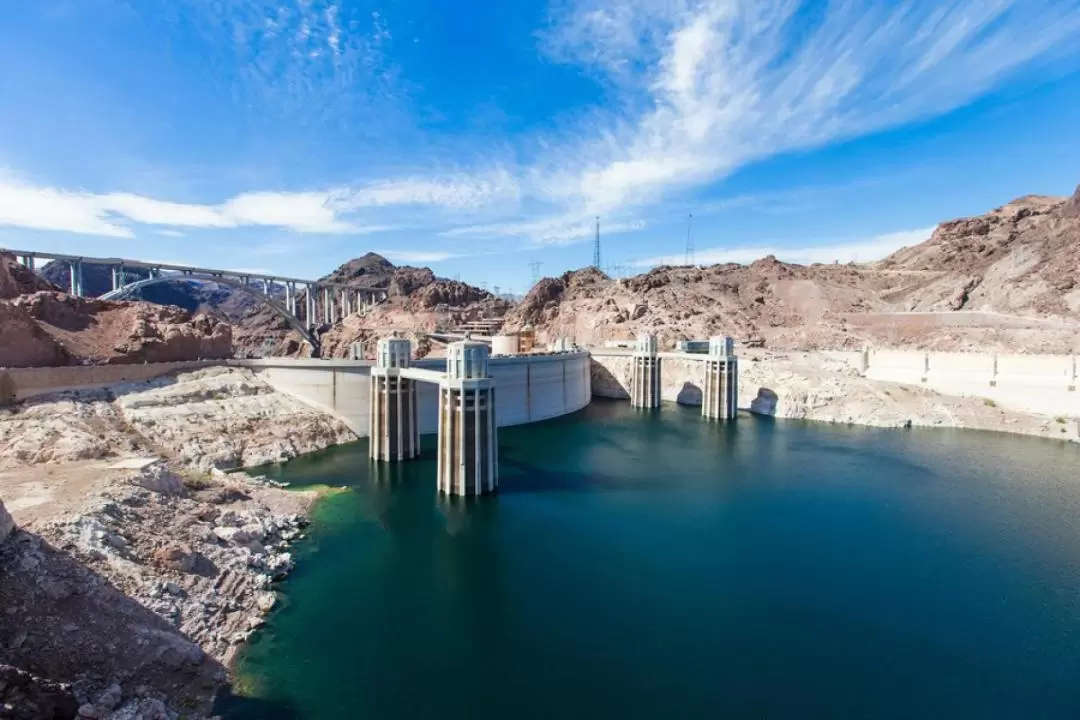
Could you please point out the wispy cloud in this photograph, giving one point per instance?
(170, 233)
(461, 191)
(559, 230)
(26, 205)
(726, 82)
(860, 251)
(301, 57)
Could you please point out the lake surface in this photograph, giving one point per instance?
(651, 565)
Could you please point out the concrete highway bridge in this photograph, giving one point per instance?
(304, 304)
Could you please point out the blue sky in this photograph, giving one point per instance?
(480, 136)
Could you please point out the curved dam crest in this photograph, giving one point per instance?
(531, 388)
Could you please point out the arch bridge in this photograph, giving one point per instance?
(304, 304)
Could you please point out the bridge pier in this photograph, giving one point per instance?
(76, 285)
(468, 434)
(720, 393)
(645, 373)
(309, 314)
(290, 298)
(395, 430)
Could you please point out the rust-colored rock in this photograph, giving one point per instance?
(44, 327)
(17, 280)
(1013, 271)
(417, 301)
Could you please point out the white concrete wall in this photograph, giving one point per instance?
(339, 387)
(902, 366)
(1044, 384)
(528, 388)
(682, 375)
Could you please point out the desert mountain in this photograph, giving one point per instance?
(1013, 271)
(42, 326)
(417, 301)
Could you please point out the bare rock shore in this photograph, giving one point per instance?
(813, 386)
(137, 566)
(222, 417)
(136, 596)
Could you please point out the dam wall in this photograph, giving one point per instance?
(528, 388)
(1044, 384)
(682, 375)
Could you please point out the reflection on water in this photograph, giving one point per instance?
(650, 564)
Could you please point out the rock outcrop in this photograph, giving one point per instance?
(1013, 273)
(215, 417)
(50, 328)
(417, 301)
(16, 280)
(132, 602)
(1021, 258)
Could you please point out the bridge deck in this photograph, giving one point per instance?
(186, 269)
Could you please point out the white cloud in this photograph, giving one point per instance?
(462, 191)
(310, 59)
(860, 251)
(559, 230)
(46, 208)
(327, 211)
(727, 82)
(417, 256)
(170, 233)
(51, 209)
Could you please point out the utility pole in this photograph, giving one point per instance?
(596, 246)
(535, 267)
(690, 240)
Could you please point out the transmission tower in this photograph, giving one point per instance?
(690, 240)
(535, 267)
(596, 246)
(497, 288)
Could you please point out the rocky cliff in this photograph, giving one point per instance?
(417, 301)
(41, 327)
(1012, 272)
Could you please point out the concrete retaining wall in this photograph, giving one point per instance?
(18, 384)
(682, 376)
(339, 387)
(1044, 384)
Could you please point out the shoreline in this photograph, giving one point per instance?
(100, 524)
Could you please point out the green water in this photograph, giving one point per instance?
(651, 565)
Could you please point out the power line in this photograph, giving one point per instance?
(689, 260)
(596, 246)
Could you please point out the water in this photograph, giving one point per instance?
(640, 565)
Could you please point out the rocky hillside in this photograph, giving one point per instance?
(1013, 272)
(418, 300)
(1021, 258)
(41, 326)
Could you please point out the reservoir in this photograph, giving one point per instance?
(639, 564)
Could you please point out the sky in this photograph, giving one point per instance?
(482, 137)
